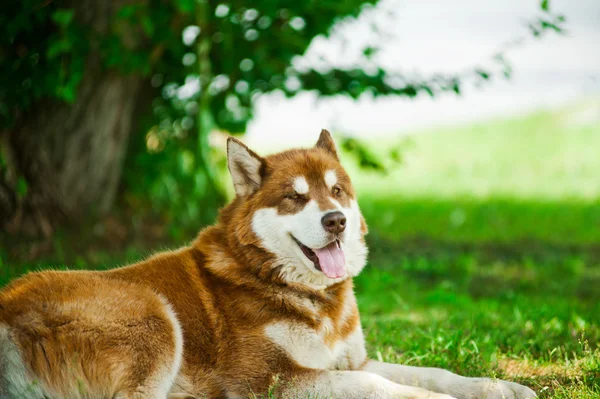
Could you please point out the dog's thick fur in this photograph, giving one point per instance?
(242, 311)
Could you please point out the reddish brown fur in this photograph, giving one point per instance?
(79, 330)
(224, 289)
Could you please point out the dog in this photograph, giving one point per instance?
(261, 304)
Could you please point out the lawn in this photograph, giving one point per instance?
(525, 310)
(485, 252)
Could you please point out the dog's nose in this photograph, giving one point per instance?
(334, 222)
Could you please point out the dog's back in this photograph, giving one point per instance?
(80, 334)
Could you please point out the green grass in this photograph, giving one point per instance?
(529, 319)
(485, 253)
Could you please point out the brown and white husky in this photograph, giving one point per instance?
(261, 304)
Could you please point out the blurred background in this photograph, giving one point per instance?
(471, 130)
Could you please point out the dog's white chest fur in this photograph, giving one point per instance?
(308, 347)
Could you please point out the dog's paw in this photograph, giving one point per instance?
(418, 393)
(180, 396)
(427, 395)
(499, 389)
(516, 391)
(433, 395)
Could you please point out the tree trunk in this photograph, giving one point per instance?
(71, 155)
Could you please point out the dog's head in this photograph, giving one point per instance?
(300, 207)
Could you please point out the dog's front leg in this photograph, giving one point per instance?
(440, 380)
(351, 385)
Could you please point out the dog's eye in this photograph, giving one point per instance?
(337, 190)
(294, 196)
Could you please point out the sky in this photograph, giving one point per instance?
(432, 36)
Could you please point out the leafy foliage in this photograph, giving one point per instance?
(207, 62)
(42, 53)
(43, 48)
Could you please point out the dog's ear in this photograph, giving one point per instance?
(326, 142)
(245, 166)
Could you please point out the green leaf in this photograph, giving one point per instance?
(21, 187)
(369, 51)
(58, 47)
(545, 5)
(127, 11)
(482, 74)
(456, 86)
(148, 25)
(185, 6)
(63, 17)
(66, 93)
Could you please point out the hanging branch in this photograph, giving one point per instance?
(205, 120)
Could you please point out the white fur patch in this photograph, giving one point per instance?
(353, 351)
(14, 377)
(336, 203)
(307, 347)
(441, 380)
(166, 381)
(349, 307)
(301, 185)
(330, 178)
(356, 384)
(275, 233)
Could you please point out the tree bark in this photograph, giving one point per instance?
(71, 155)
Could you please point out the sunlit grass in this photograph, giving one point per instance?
(485, 252)
(549, 155)
(545, 337)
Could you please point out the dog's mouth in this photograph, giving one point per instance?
(330, 259)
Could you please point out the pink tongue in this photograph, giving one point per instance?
(332, 260)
